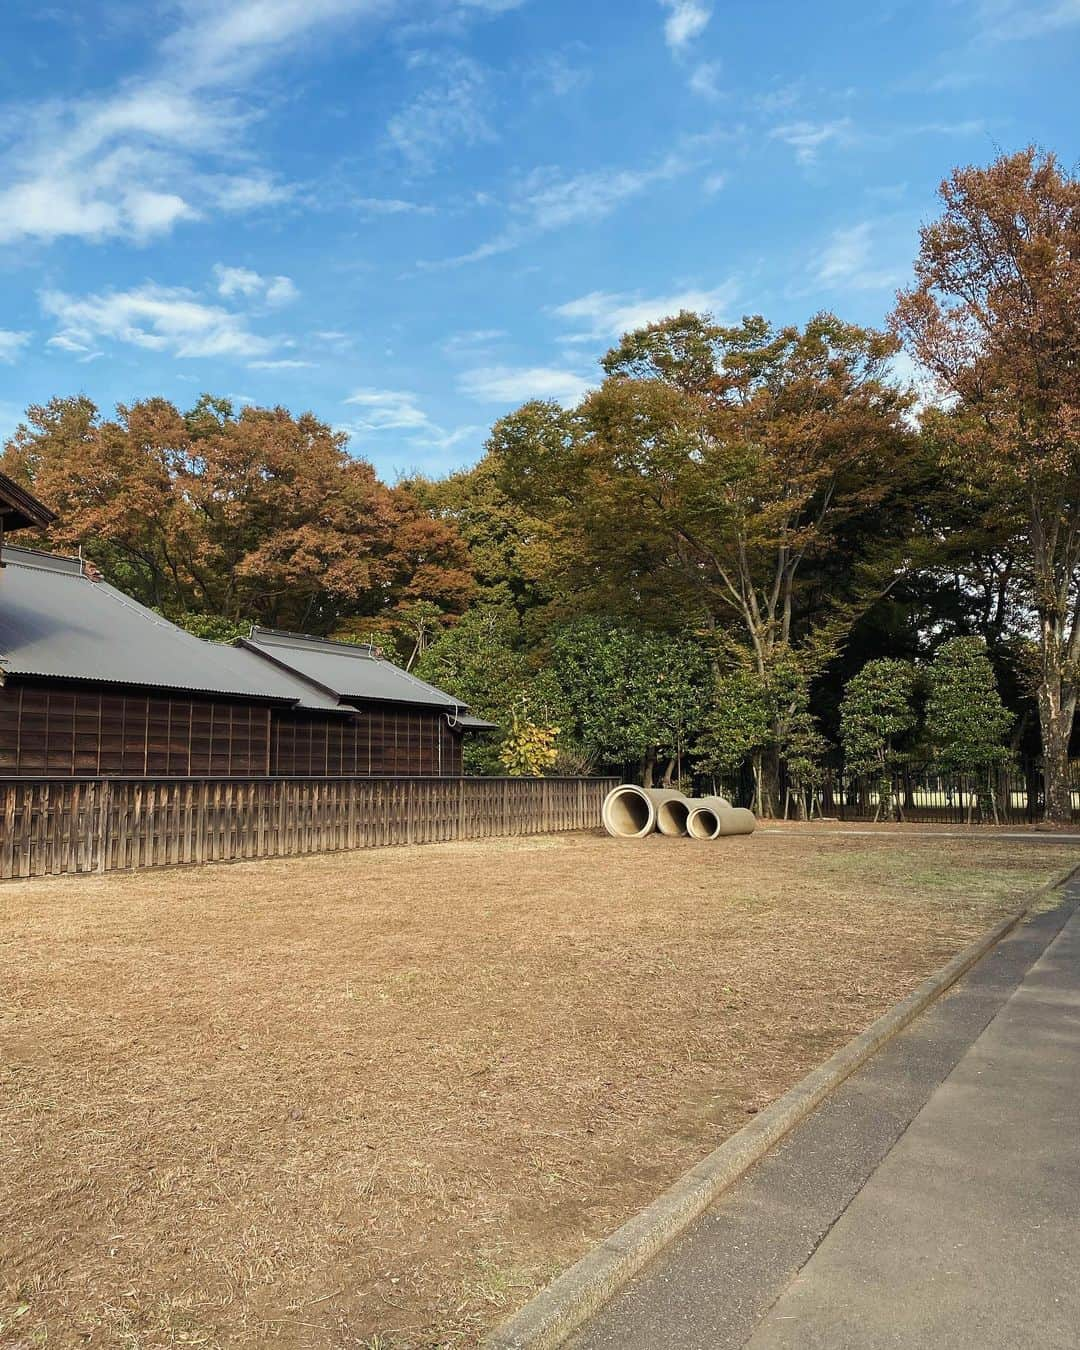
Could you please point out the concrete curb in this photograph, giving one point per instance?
(570, 1300)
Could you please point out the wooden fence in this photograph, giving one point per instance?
(52, 826)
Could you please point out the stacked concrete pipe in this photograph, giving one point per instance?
(628, 812)
(632, 812)
(716, 818)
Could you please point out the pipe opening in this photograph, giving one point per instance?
(703, 823)
(628, 813)
(671, 816)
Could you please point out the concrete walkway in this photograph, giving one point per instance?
(934, 1200)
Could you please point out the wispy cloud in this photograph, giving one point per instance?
(1014, 20)
(390, 410)
(392, 206)
(161, 148)
(452, 109)
(607, 314)
(547, 199)
(387, 410)
(233, 281)
(807, 138)
(169, 319)
(11, 344)
(705, 80)
(285, 363)
(518, 384)
(686, 20)
(846, 262)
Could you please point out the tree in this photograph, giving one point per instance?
(736, 727)
(966, 721)
(629, 694)
(714, 475)
(508, 547)
(257, 515)
(995, 316)
(482, 660)
(876, 714)
(528, 749)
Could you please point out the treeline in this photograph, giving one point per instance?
(750, 545)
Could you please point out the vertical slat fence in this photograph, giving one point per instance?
(54, 826)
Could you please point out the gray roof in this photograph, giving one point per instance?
(467, 722)
(349, 671)
(56, 622)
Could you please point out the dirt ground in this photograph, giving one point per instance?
(376, 1099)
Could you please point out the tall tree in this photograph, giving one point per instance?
(966, 721)
(631, 695)
(716, 474)
(257, 515)
(995, 316)
(877, 717)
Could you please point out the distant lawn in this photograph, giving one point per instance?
(378, 1098)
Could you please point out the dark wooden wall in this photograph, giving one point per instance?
(374, 741)
(51, 729)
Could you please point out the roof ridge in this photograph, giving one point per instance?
(363, 649)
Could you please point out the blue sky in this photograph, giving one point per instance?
(411, 215)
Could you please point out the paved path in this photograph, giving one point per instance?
(934, 1200)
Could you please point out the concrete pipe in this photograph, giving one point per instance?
(715, 818)
(628, 812)
(672, 808)
(737, 820)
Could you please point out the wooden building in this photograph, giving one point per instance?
(93, 684)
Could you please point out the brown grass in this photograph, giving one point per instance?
(375, 1099)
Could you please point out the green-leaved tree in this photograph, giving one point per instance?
(966, 721)
(877, 715)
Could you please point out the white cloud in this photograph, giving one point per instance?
(687, 19)
(546, 199)
(11, 344)
(246, 192)
(286, 364)
(609, 315)
(161, 147)
(705, 81)
(157, 318)
(280, 291)
(392, 206)
(387, 410)
(553, 201)
(716, 182)
(233, 281)
(451, 109)
(807, 138)
(237, 280)
(471, 342)
(1010, 20)
(518, 384)
(846, 261)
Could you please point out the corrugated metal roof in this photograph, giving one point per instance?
(56, 622)
(346, 670)
(467, 722)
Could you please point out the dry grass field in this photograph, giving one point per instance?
(376, 1099)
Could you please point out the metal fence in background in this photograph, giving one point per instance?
(1012, 795)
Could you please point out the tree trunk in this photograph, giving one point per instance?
(770, 782)
(648, 768)
(1056, 715)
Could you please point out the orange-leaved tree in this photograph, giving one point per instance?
(995, 316)
(258, 515)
